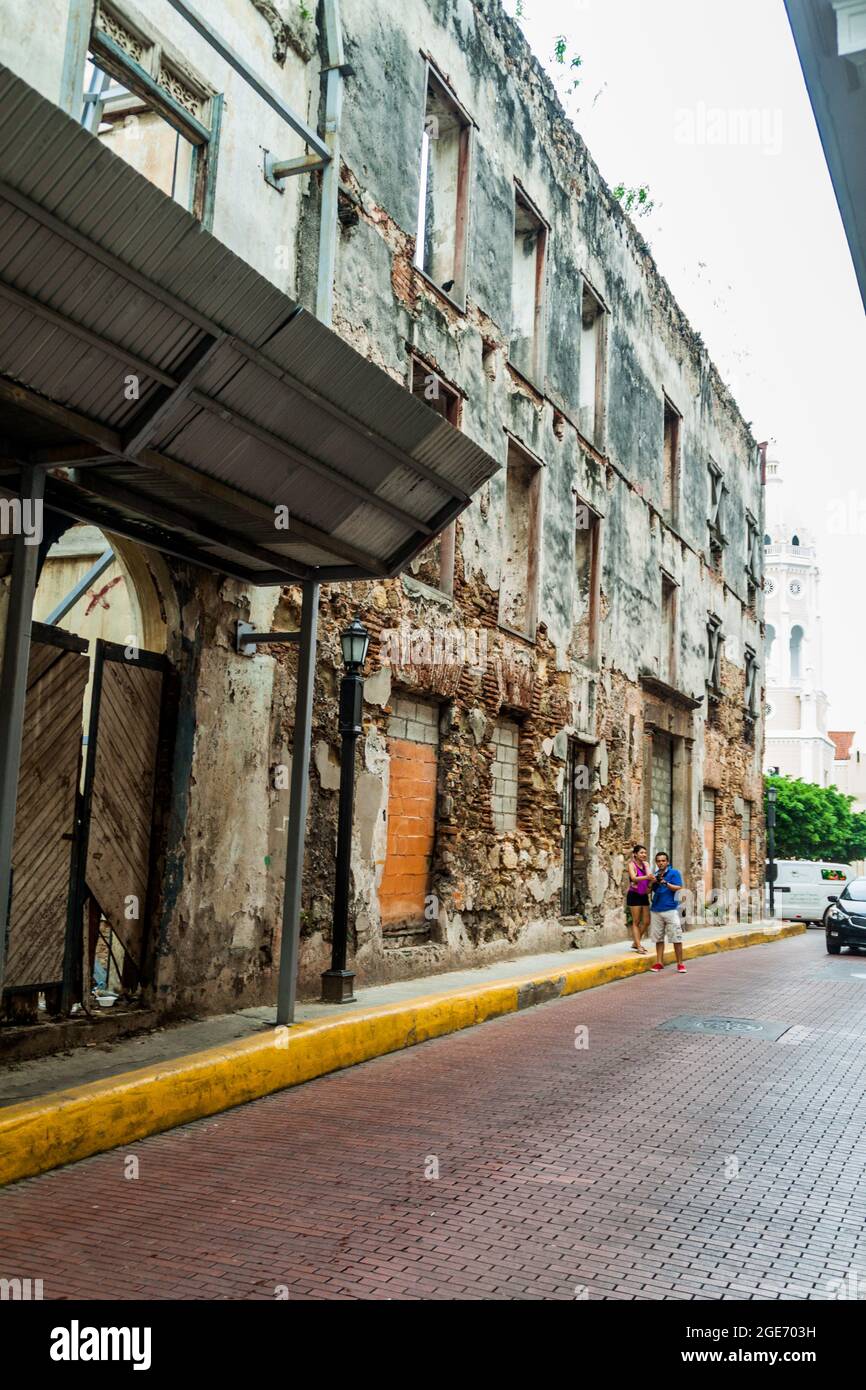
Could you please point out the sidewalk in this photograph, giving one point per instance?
(60, 1109)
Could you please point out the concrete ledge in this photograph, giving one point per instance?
(24, 1042)
(65, 1126)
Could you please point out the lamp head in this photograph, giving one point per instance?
(354, 641)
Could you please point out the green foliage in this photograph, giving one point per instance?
(816, 822)
(560, 55)
(636, 201)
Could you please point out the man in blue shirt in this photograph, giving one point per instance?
(665, 915)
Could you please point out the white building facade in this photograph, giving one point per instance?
(849, 767)
(797, 742)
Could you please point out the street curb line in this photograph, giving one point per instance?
(65, 1126)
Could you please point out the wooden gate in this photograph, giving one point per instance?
(81, 843)
(46, 811)
(117, 801)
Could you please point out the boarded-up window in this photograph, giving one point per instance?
(503, 786)
(518, 588)
(413, 739)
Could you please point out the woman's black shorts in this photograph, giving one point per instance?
(634, 899)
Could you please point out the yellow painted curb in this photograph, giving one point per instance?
(65, 1126)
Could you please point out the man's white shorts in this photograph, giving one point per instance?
(666, 925)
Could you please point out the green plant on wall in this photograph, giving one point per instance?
(636, 201)
(560, 55)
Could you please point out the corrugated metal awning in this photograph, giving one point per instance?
(241, 401)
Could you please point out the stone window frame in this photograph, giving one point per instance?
(435, 77)
(533, 563)
(126, 46)
(536, 375)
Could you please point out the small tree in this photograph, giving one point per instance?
(816, 822)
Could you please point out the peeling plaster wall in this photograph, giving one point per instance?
(498, 894)
(224, 797)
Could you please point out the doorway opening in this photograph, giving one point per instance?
(575, 824)
(82, 862)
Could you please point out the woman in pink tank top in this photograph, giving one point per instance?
(637, 899)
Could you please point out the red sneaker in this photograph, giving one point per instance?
(681, 970)
(656, 967)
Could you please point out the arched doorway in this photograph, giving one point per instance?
(93, 725)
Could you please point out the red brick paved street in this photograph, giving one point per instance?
(649, 1165)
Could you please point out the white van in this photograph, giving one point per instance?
(805, 888)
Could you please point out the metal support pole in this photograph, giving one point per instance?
(13, 685)
(290, 943)
(331, 171)
(78, 26)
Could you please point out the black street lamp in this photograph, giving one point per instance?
(772, 793)
(337, 983)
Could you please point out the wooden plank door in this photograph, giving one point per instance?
(123, 741)
(45, 812)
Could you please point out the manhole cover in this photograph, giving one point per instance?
(746, 1027)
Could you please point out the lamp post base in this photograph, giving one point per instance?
(338, 986)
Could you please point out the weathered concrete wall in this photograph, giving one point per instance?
(493, 893)
(499, 892)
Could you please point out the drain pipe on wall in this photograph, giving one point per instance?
(336, 69)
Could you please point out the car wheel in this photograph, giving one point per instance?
(834, 947)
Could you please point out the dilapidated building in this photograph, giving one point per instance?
(564, 590)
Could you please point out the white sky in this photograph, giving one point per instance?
(749, 237)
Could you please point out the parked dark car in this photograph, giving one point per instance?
(845, 918)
